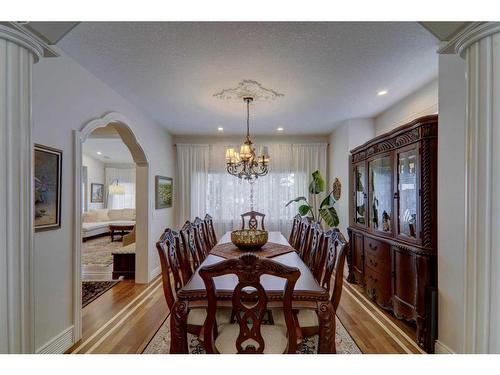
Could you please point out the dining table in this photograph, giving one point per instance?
(308, 294)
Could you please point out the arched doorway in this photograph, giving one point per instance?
(122, 126)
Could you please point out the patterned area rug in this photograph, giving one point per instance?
(160, 344)
(98, 251)
(93, 289)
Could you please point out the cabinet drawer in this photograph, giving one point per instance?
(376, 263)
(378, 287)
(377, 250)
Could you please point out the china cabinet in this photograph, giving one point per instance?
(393, 223)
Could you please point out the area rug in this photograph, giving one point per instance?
(98, 251)
(93, 289)
(160, 343)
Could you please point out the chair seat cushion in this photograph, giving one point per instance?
(129, 249)
(275, 339)
(307, 318)
(197, 317)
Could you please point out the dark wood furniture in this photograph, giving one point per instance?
(122, 228)
(201, 236)
(174, 277)
(295, 233)
(393, 223)
(331, 256)
(194, 255)
(308, 294)
(253, 222)
(123, 264)
(212, 238)
(249, 306)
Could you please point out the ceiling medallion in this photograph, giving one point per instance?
(248, 89)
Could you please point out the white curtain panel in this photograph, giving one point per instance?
(126, 178)
(192, 180)
(226, 197)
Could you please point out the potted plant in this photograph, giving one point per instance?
(325, 211)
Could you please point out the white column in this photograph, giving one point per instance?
(480, 46)
(17, 55)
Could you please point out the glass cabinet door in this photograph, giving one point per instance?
(407, 193)
(360, 194)
(381, 196)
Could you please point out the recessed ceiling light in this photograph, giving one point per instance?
(220, 129)
(280, 129)
(382, 92)
(99, 153)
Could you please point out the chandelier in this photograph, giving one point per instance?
(245, 164)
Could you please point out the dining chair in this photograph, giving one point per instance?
(314, 246)
(336, 250)
(201, 236)
(190, 244)
(249, 303)
(304, 237)
(294, 234)
(209, 221)
(171, 255)
(253, 222)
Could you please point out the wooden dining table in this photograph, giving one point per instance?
(308, 294)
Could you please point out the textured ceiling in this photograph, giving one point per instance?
(328, 72)
(112, 150)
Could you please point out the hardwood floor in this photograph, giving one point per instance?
(125, 318)
(122, 320)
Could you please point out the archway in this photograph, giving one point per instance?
(121, 124)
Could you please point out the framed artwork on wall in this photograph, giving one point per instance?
(47, 188)
(96, 193)
(164, 189)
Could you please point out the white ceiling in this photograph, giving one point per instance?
(113, 150)
(328, 72)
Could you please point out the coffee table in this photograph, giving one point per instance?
(122, 228)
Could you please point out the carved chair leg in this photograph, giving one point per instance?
(178, 328)
(326, 317)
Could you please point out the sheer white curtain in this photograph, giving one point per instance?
(226, 197)
(126, 178)
(192, 180)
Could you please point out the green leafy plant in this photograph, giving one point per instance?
(326, 209)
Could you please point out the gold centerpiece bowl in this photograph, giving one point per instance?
(249, 239)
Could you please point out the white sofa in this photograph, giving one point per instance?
(95, 222)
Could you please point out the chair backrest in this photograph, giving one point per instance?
(253, 222)
(172, 264)
(303, 237)
(201, 237)
(189, 242)
(295, 233)
(336, 249)
(210, 230)
(249, 300)
(314, 247)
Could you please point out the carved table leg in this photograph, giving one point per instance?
(178, 328)
(326, 317)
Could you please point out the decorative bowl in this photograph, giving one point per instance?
(249, 239)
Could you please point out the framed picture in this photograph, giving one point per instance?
(47, 186)
(96, 193)
(164, 187)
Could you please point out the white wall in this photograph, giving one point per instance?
(451, 206)
(65, 98)
(346, 136)
(421, 102)
(95, 174)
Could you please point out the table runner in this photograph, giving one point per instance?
(269, 250)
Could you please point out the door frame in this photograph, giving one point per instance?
(143, 206)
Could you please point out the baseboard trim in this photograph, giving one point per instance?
(441, 348)
(59, 344)
(154, 273)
